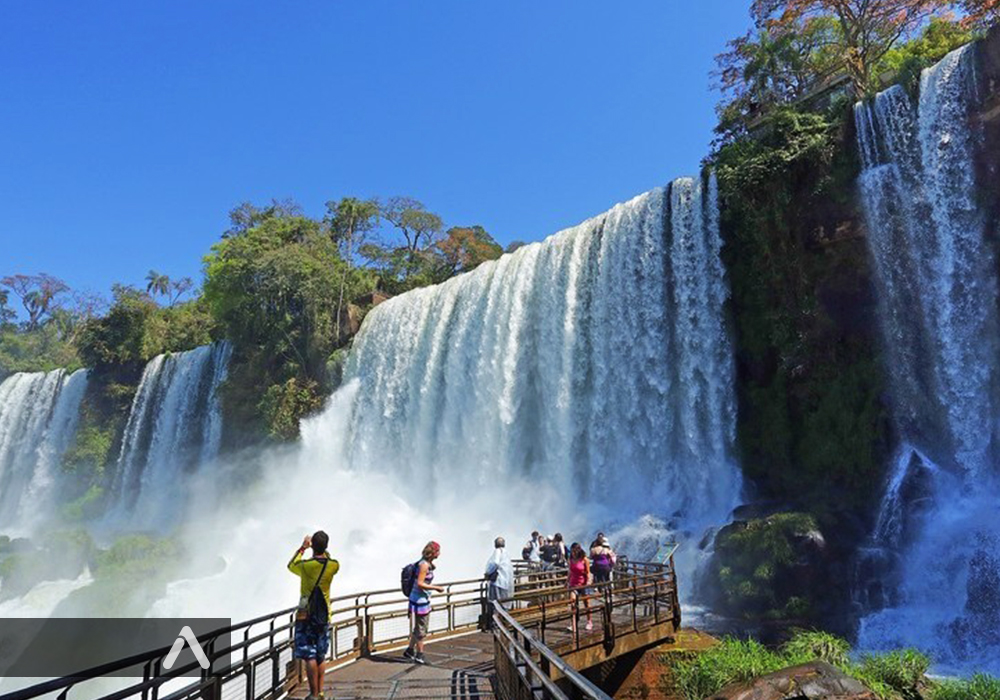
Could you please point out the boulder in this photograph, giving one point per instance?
(770, 568)
(813, 681)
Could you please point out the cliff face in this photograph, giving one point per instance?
(813, 432)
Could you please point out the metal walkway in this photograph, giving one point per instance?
(536, 645)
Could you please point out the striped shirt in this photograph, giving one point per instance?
(420, 600)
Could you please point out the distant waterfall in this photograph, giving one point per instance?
(936, 274)
(38, 417)
(173, 430)
(596, 363)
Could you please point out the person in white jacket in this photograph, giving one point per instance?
(499, 572)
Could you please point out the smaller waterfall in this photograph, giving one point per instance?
(38, 417)
(930, 573)
(174, 429)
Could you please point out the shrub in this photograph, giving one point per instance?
(896, 674)
(818, 645)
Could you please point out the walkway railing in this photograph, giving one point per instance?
(253, 660)
(539, 627)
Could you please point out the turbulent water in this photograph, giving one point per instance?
(173, 431)
(595, 363)
(38, 416)
(936, 273)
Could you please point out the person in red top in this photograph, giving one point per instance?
(577, 580)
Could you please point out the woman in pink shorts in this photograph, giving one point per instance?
(576, 582)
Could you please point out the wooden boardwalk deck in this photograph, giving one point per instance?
(459, 668)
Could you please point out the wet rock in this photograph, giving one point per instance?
(813, 681)
(758, 509)
(771, 568)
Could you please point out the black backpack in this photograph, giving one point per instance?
(407, 577)
(317, 611)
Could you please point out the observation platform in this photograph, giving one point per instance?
(526, 648)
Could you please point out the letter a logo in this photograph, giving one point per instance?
(186, 635)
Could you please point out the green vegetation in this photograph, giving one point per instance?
(129, 577)
(812, 430)
(63, 554)
(281, 286)
(939, 37)
(45, 341)
(979, 687)
(753, 564)
(894, 676)
(800, 50)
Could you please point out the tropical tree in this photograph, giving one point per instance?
(349, 222)
(247, 215)
(118, 338)
(419, 227)
(868, 29)
(772, 66)
(465, 248)
(157, 284)
(38, 294)
(179, 288)
(981, 13)
(7, 314)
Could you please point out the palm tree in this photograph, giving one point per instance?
(157, 284)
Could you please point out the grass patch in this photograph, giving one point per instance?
(979, 687)
(897, 675)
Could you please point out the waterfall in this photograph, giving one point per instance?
(595, 363)
(936, 277)
(173, 431)
(38, 417)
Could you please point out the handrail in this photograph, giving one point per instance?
(587, 688)
(262, 644)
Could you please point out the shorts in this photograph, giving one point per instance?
(420, 625)
(311, 641)
(602, 575)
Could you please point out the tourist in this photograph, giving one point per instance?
(563, 554)
(532, 550)
(500, 574)
(550, 554)
(577, 582)
(312, 619)
(604, 559)
(420, 601)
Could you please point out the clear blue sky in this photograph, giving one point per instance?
(128, 129)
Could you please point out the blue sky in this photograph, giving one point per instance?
(128, 129)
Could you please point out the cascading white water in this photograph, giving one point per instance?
(578, 381)
(173, 431)
(38, 417)
(595, 364)
(936, 275)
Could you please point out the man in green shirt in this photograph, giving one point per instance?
(312, 621)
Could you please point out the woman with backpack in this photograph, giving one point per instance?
(603, 557)
(420, 601)
(577, 580)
